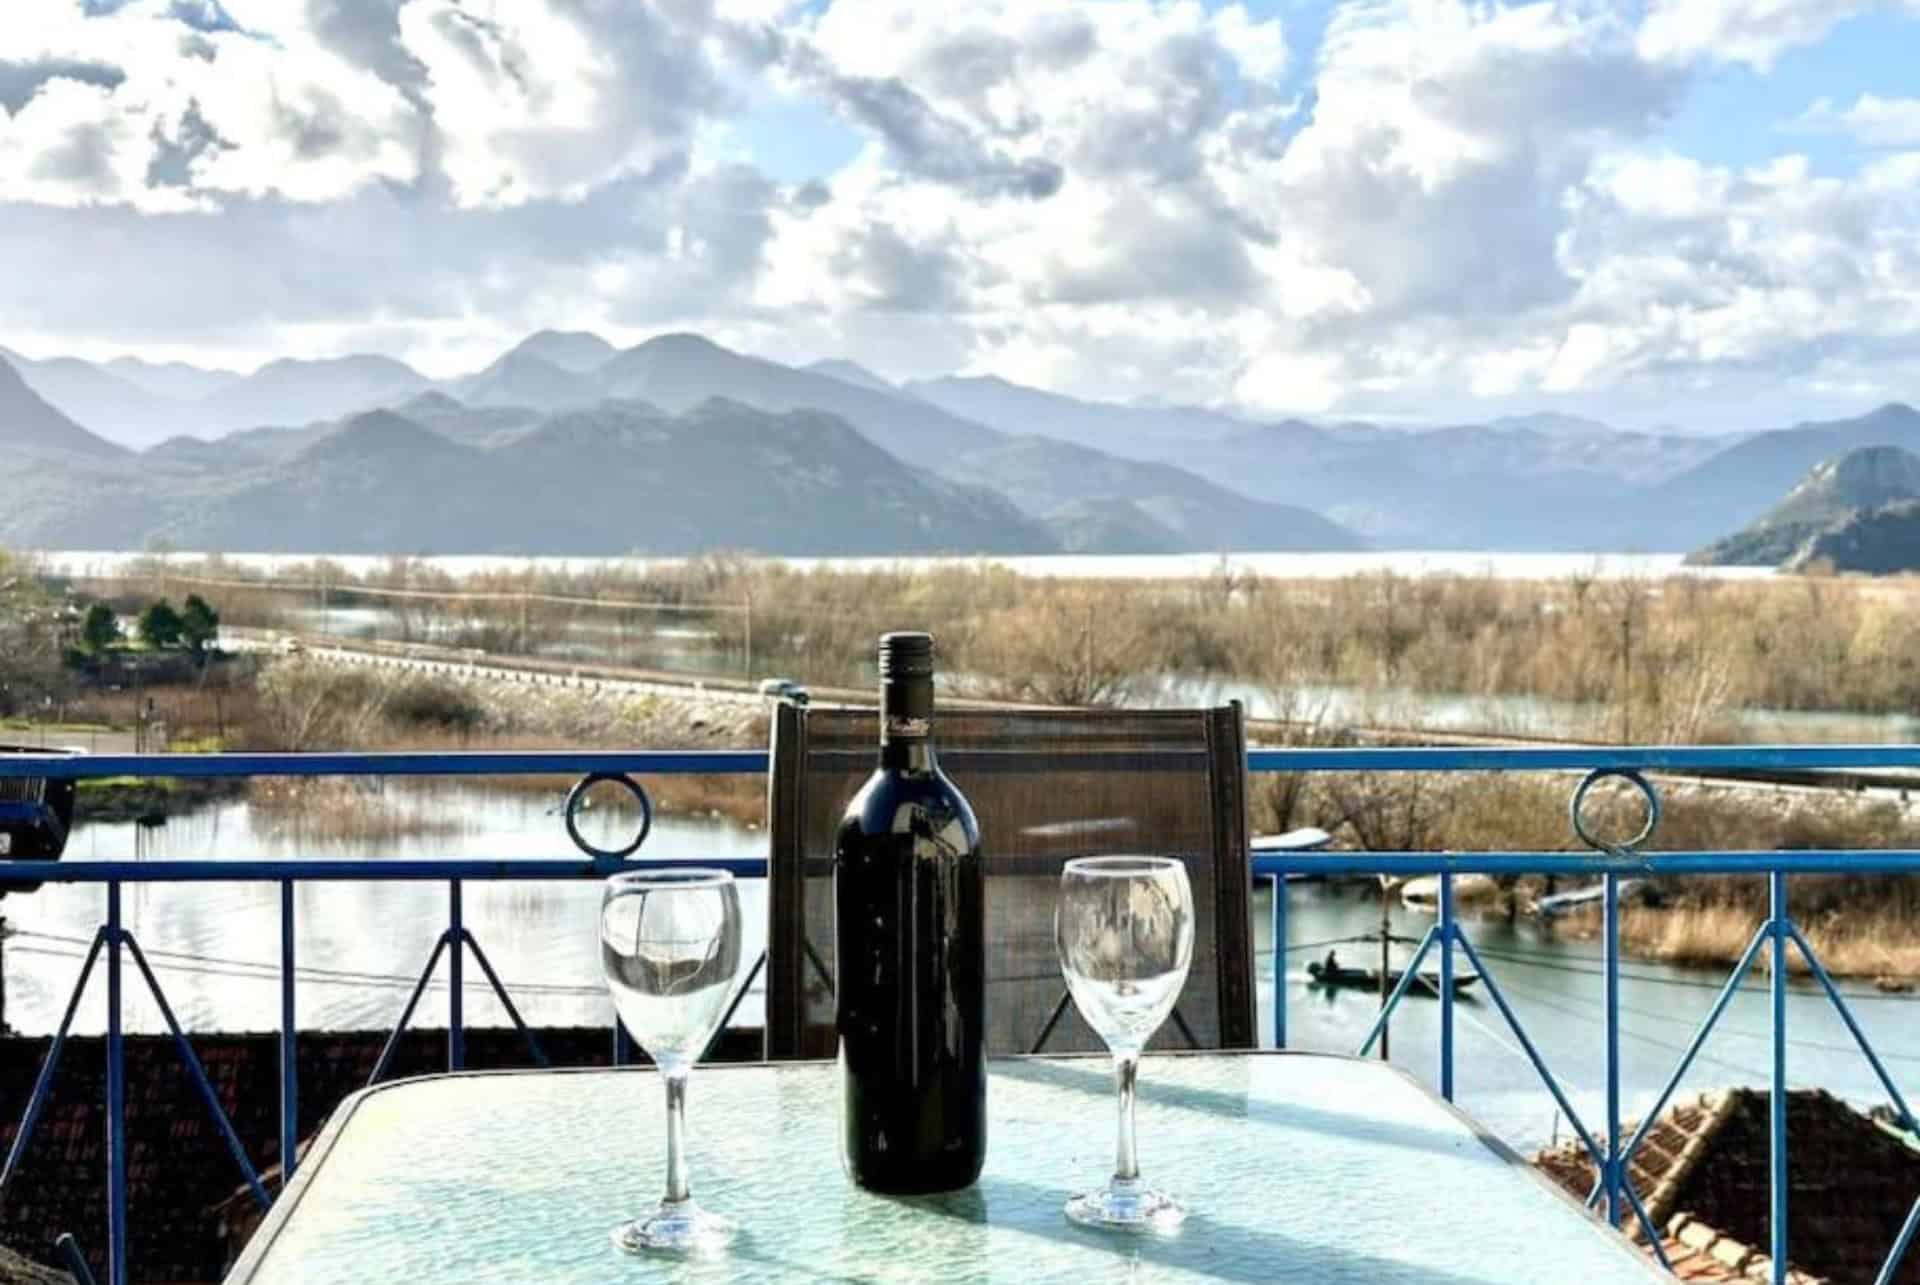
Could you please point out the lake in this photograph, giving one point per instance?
(1183, 566)
(216, 948)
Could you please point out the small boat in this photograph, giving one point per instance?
(1307, 838)
(1468, 890)
(1426, 981)
(1562, 902)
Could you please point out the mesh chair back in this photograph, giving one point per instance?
(1046, 786)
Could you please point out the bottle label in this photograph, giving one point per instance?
(902, 727)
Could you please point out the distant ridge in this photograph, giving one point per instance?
(1842, 491)
(852, 372)
(574, 351)
(29, 422)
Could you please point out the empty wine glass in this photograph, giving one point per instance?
(670, 946)
(1124, 927)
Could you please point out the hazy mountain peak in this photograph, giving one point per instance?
(851, 372)
(574, 351)
(377, 433)
(28, 420)
(1861, 478)
(1834, 492)
(430, 403)
(1553, 424)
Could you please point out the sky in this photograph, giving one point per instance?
(1696, 213)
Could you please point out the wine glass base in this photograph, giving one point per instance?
(1128, 1204)
(676, 1227)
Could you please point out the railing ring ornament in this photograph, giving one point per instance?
(577, 797)
(1627, 848)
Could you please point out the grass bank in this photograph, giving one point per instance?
(1658, 660)
(1865, 926)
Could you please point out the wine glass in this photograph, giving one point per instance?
(1124, 927)
(670, 947)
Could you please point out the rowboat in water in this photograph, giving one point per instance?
(1426, 981)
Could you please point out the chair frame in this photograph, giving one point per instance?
(1222, 730)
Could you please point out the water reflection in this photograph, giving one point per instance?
(216, 947)
(1555, 986)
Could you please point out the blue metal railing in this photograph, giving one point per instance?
(1610, 1152)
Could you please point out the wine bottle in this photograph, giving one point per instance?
(909, 954)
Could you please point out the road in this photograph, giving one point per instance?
(422, 658)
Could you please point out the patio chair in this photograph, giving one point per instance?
(1046, 786)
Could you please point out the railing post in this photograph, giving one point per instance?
(116, 1102)
(1778, 925)
(1616, 1152)
(1447, 930)
(456, 951)
(289, 1042)
(1280, 961)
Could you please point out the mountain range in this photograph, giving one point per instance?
(1854, 512)
(181, 449)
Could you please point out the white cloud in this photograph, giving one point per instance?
(1872, 120)
(1457, 199)
(173, 117)
(1755, 32)
(550, 98)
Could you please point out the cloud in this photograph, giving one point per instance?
(1434, 201)
(167, 107)
(1872, 120)
(533, 99)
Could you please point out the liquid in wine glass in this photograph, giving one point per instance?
(1124, 928)
(670, 948)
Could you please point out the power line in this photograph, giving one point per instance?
(1558, 964)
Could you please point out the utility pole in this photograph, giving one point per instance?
(1386, 901)
(1626, 673)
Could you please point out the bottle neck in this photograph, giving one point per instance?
(906, 724)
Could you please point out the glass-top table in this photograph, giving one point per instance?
(1295, 1167)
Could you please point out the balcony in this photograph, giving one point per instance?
(1451, 1034)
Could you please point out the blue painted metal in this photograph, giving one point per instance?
(369, 870)
(403, 763)
(289, 1043)
(199, 1076)
(456, 940)
(1899, 1251)
(1727, 993)
(406, 1014)
(1448, 931)
(1846, 1015)
(1533, 1054)
(1613, 1172)
(76, 1262)
(43, 1084)
(1609, 863)
(116, 1102)
(1777, 1131)
(506, 1000)
(1406, 982)
(1279, 884)
(1647, 1228)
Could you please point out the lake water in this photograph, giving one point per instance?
(1525, 716)
(216, 948)
(1421, 562)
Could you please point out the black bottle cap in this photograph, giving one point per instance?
(906, 655)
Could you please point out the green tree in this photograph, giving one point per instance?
(199, 624)
(101, 629)
(160, 625)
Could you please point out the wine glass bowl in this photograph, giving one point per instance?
(1124, 929)
(670, 949)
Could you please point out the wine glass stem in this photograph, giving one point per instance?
(678, 1188)
(1126, 1161)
